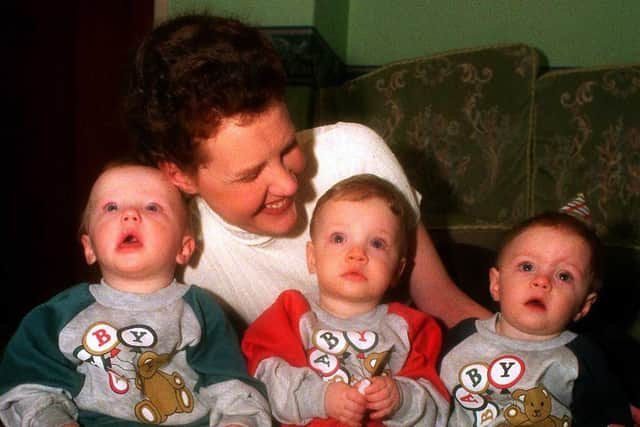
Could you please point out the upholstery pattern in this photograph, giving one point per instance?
(587, 138)
(459, 123)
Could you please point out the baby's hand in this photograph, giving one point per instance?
(343, 403)
(383, 397)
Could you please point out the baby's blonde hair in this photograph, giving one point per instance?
(366, 186)
(120, 163)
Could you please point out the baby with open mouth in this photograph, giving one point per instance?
(523, 365)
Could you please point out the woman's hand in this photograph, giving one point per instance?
(343, 403)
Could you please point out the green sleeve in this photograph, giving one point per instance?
(37, 382)
(217, 357)
(32, 355)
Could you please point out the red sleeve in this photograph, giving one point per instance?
(425, 337)
(276, 333)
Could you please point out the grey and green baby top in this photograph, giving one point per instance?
(100, 356)
(499, 381)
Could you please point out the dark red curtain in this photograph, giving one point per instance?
(64, 73)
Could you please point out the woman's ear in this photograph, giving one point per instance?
(89, 254)
(494, 283)
(178, 177)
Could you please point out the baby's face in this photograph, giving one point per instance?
(356, 253)
(542, 282)
(136, 225)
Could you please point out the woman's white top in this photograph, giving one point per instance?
(245, 271)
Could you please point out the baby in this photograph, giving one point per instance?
(339, 353)
(138, 347)
(523, 366)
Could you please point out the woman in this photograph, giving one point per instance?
(207, 107)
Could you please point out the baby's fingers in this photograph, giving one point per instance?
(383, 397)
(382, 409)
(352, 413)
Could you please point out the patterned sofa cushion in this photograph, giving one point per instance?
(460, 123)
(587, 139)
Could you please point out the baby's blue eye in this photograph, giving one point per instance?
(378, 244)
(526, 266)
(153, 207)
(337, 238)
(110, 207)
(564, 276)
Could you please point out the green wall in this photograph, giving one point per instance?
(374, 32)
(568, 32)
(257, 12)
(330, 17)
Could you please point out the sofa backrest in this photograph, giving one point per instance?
(488, 140)
(460, 123)
(587, 139)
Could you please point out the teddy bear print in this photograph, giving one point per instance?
(166, 394)
(537, 410)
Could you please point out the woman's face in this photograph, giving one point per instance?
(249, 176)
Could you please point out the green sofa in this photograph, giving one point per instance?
(489, 139)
